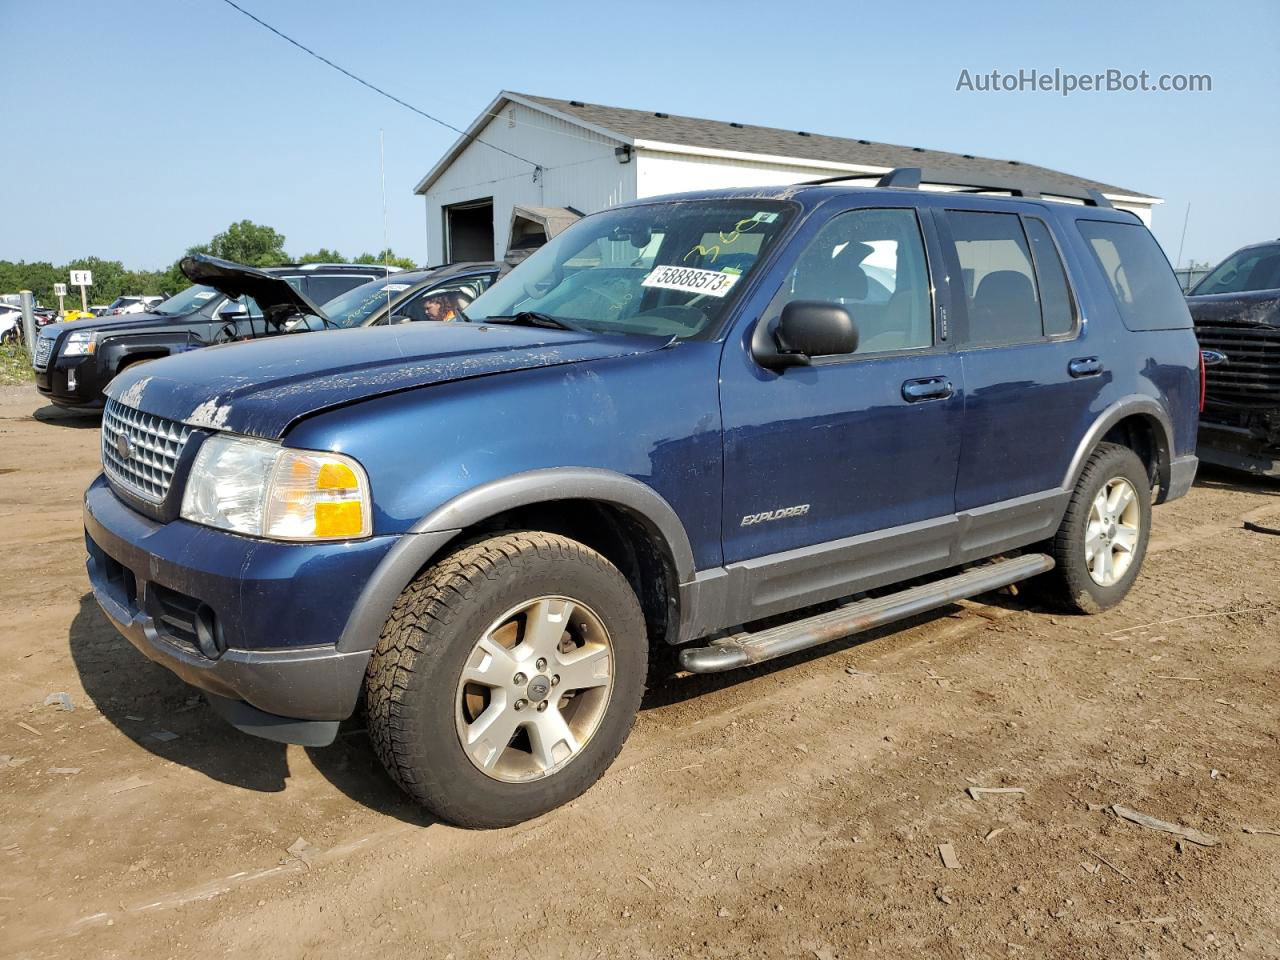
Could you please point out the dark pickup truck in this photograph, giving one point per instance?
(1236, 309)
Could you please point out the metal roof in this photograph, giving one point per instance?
(698, 134)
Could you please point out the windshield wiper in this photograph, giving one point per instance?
(531, 318)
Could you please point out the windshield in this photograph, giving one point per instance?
(1255, 268)
(662, 269)
(188, 301)
(358, 304)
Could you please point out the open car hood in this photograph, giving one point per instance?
(276, 298)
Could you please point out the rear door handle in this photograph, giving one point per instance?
(1085, 367)
(927, 388)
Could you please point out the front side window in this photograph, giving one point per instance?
(661, 269)
(999, 280)
(872, 263)
(1257, 268)
(1142, 282)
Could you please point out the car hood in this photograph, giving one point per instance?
(1255, 308)
(129, 321)
(261, 387)
(275, 297)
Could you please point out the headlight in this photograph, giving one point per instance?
(265, 490)
(80, 344)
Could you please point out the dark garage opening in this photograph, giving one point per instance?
(469, 230)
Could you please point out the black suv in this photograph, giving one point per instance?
(74, 361)
(1236, 309)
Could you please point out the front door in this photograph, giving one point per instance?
(819, 459)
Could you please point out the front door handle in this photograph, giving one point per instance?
(1085, 367)
(927, 388)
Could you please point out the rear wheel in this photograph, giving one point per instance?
(1102, 540)
(507, 678)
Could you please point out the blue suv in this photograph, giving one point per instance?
(687, 420)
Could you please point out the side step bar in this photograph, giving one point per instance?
(748, 648)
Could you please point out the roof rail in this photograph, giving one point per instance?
(910, 178)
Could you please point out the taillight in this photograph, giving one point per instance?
(1200, 353)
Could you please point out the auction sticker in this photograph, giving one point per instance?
(690, 280)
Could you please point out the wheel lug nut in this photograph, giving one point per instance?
(542, 706)
(519, 679)
(542, 663)
(521, 704)
(555, 680)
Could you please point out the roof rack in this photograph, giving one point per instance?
(910, 178)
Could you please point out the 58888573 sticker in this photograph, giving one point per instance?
(712, 283)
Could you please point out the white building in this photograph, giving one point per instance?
(543, 162)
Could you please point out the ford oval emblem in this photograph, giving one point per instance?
(123, 447)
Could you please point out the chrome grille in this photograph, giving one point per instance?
(44, 347)
(1252, 370)
(153, 445)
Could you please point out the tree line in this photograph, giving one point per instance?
(244, 242)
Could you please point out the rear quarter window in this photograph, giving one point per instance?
(1138, 274)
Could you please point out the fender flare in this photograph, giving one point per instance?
(1125, 407)
(428, 536)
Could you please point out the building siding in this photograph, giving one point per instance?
(579, 170)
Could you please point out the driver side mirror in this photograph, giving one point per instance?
(806, 329)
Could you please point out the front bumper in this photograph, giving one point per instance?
(55, 382)
(279, 609)
(1238, 448)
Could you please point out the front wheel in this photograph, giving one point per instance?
(507, 678)
(1102, 540)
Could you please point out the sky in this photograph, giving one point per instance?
(134, 130)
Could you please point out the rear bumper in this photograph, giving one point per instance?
(1237, 448)
(279, 608)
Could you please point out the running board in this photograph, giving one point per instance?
(748, 648)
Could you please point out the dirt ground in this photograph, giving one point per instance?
(794, 809)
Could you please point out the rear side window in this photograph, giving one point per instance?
(1055, 296)
(1141, 280)
(999, 280)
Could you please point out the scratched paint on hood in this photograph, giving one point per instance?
(261, 387)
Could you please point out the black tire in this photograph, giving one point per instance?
(1070, 586)
(413, 676)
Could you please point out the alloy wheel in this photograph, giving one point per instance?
(534, 689)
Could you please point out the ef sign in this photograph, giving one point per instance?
(82, 278)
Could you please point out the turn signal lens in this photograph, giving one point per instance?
(317, 496)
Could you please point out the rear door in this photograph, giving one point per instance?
(1031, 374)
